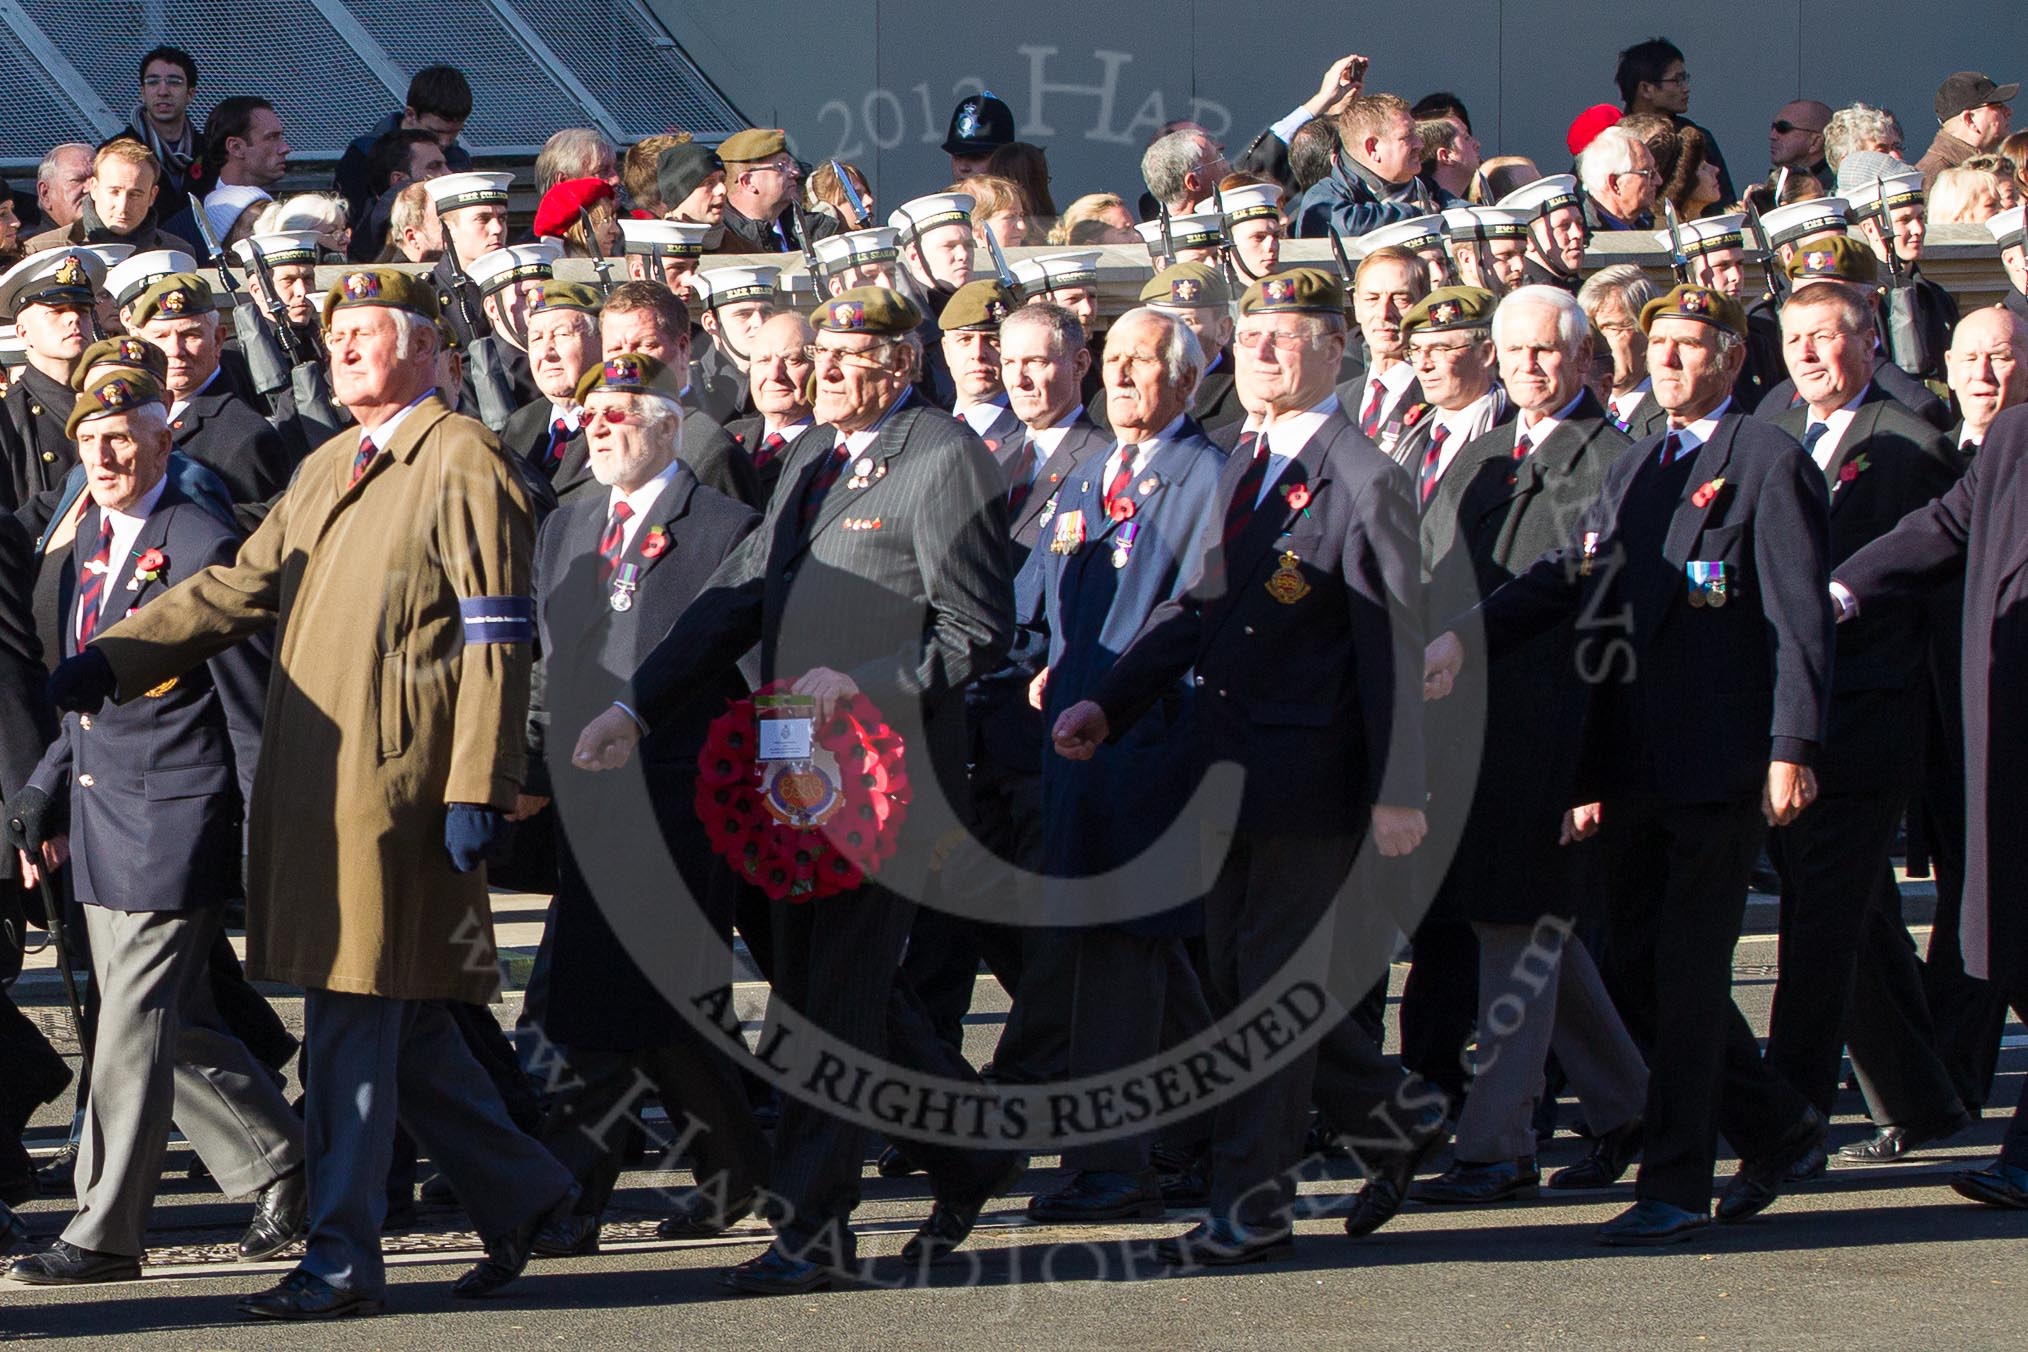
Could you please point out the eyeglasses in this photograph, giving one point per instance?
(823, 356)
(1447, 351)
(1783, 127)
(1282, 342)
(617, 415)
(1640, 173)
(1681, 78)
(787, 167)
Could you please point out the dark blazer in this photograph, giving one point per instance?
(1079, 441)
(1499, 785)
(158, 786)
(708, 450)
(1888, 463)
(526, 437)
(1895, 383)
(717, 387)
(1216, 405)
(750, 433)
(1318, 698)
(1413, 443)
(1689, 703)
(1978, 533)
(1407, 411)
(598, 994)
(224, 433)
(902, 583)
(38, 453)
(1647, 419)
(26, 721)
(1089, 602)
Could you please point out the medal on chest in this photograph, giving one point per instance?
(1069, 533)
(1123, 542)
(625, 581)
(1707, 583)
(1287, 584)
(1586, 553)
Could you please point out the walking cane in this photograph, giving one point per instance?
(52, 910)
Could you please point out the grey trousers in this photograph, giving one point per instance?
(1540, 991)
(370, 1062)
(163, 1053)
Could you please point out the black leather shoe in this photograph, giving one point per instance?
(1891, 1144)
(700, 1216)
(1393, 1175)
(1218, 1242)
(952, 1217)
(571, 1236)
(1608, 1161)
(58, 1175)
(1760, 1181)
(437, 1191)
(1099, 1195)
(12, 1231)
(65, 1264)
(1190, 1186)
(1464, 1183)
(509, 1254)
(303, 1296)
(1650, 1222)
(895, 1163)
(775, 1273)
(1809, 1168)
(279, 1217)
(1995, 1185)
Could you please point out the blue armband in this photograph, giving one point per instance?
(498, 619)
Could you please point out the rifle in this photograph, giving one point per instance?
(1000, 266)
(265, 358)
(1168, 240)
(307, 381)
(1906, 347)
(852, 196)
(1678, 260)
(1228, 252)
(1338, 252)
(816, 268)
(1777, 280)
(491, 390)
(598, 255)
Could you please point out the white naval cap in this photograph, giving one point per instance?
(923, 214)
(494, 269)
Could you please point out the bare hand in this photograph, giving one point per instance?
(1442, 660)
(1579, 823)
(1398, 830)
(526, 805)
(1339, 86)
(607, 741)
(52, 855)
(827, 687)
(1080, 730)
(1037, 688)
(1790, 789)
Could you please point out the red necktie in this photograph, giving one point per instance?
(770, 447)
(1431, 459)
(559, 437)
(1119, 482)
(1524, 446)
(91, 587)
(1376, 399)
(1239, 512)
(1672, 446)
(614, 542)
(820, 484)
(367, 450)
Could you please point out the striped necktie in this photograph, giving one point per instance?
(1239, 512)
(1376, 400)
(559, 436)
(1118, 484)
(614, 542)
(367, 450)
(91, 588)
(1432, 459)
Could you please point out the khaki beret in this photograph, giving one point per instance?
(1308, 291)
(1187, 286)
(629, 373)
(1449, 307)
(177, 296)
(122, 350)
(1837, 259)
(119, 392)
(869, 309)
(567, 296)
(755, 143)
(1700, 303)
(978, 305)
(388, 288)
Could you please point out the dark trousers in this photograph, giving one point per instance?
(31, 1074)
(2014, 1149)
(599, 1104)
(1440, 1003)
(1677, 879)
(1832, 861)
(836, 964)
(1891, 1035)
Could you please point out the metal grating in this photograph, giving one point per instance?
(328, 91)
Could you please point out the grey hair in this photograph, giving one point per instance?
(1623, 281)
(1611, 152)
(407, 324)
(1573, 326)
(1066, 332)
(149, 419)
(1855, 128)
(45, 173)
(1182, 354)
(1164, 163)
(574, 152)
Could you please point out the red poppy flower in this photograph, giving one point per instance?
(654, 542)
(151, 561)
(1299, 497)
(1121, 509)
(1705, 493)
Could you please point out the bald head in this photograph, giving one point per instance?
(1796, 139)
(778, 370)
(1987, 366)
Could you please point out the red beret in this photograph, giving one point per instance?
(1587, 126)
(558, 209)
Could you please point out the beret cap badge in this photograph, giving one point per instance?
(361, 286)
(70, 272)
(1278, 291)
(849, 314)
(115, 395)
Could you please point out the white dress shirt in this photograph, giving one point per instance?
(639, 503)
(1688, 439)
(981, 416)
(1834, 433)
(126, 529)
(1544, 427)
(1287, 438)
(1144, 451)
(176, 409)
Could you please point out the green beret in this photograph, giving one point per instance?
(567, 296)
(386, 287)
(120, 392)
(1700, 303)
(177, 296)
(1306, 291)
(629, 373)
(1187, 286)
(869, 309)
(978, 305)
(1837, 259)
(755, 143)
(123, 350)
(1449, 307)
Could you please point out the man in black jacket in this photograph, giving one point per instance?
(439, 100)
(49, 296)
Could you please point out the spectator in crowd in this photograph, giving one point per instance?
(320, 213)
(1095, 218)
(439, 101)
(403, 156)
(1861, 127)
(60, 183)
(1450, 157)
(1027, 167)
(1180, 167)
(161, 121)
(1652, 78)
(414, 234)
(576, 152)
(1620, 179)
(1312, 148)
(998, 205)
(1503, 174)
(1795, 139)
(1373, 178)
(823, 193)
(1964, 194)
(119, 205)
(1972, 115)
(1695, 182)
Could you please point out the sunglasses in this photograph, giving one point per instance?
(1785, 127)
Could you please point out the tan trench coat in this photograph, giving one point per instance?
(379, 712)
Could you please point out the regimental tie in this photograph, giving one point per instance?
(91, 589)
(1813, 434)
(614, 542)
(1524, 446)
(559, 437)
(770, 447)
(1239, 512)
(1432, 458)
(1022, 477)
(1376, 400)
(367, 450)
(1672, 446)
(1118, 484)
(820, 483)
